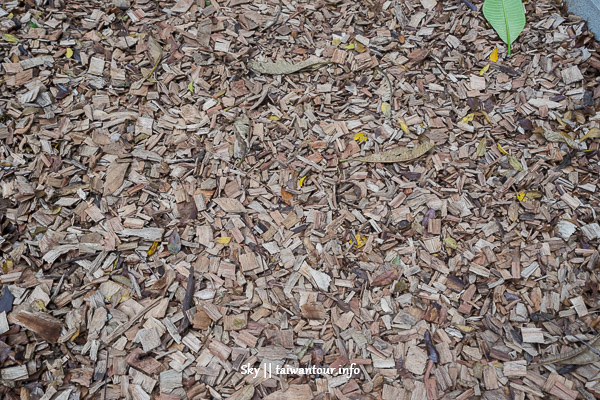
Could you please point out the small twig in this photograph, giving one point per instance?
(146, 262)
(72, 260)
(568, 332)
(273, 21)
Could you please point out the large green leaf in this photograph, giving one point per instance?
(507, 17)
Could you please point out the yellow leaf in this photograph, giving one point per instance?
(502, 149)
(348, 46)
(224, 239)
(360, 137)
(528, 195)
(7, 37)
(591, 134)
(301, 181)
(191, 87)
(485, 115)
(8, 266)
(75, 335)
(359, 47)
(484, 69)
(494, 55)
(515, 163)
(336, 42)
(451, 243)
(361, 240)
(386, 109)
(403, 125)
(465, 329)
(152, 248)
(481, 148)
(69, 53)
(38, 305)
(467, 118)
(274, 118)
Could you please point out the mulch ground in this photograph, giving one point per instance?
(191, 188)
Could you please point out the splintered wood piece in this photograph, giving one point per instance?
(42, 324)
(313, 311)
(140, 360)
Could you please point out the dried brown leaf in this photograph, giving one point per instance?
(399, 154)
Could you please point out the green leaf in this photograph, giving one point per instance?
(507, 17)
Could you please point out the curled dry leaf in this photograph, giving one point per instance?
(156, 54)
(286, 196)
(386, 278)
(560, 137)
(591, 134)
(481, 148)
(399, 154)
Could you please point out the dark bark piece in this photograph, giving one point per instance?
(140, 360)
(187, 300)
(6, 300)
(42, 324)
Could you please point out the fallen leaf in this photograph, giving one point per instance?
(360, 137)
(451, 243)
(359, 47)
(153, 248)
(301, 181)
(7, 37)
(528, 195)
(361, 240)
(494, 55)
(386, 109)
(403, 125)
(484, 69)
(286, 196)
(481, 147)
(501, 149)
(69, 53)
(560, 137)
(591, 134)
(386, 278)
(468, 118)
(156, 54)
(465, 329)
(515, 163)
(224, 239)
(399, 154)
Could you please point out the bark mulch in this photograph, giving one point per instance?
(192, 188)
